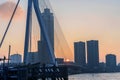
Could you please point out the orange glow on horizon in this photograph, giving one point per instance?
(80, 24)
(67, 60)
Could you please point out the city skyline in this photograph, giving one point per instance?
(80, 21)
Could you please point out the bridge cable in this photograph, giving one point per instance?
(30, 35)
(59, 32)
(9, 23)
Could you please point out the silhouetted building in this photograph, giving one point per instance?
(93, 54)
(110, 60)
(79, 53)
(16, 58)
(102, 66)
(60, 60)
(43, 49)
(32, 58)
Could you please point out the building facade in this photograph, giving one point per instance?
(110, 60)
(43, 49)
(32, 58)
(93, 54)
(16, 58)
(80, 53)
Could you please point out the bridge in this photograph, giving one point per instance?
(34, 72)
(46, 67)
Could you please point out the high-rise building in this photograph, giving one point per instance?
(43, 48)
(16, 58)
(111, 60)
(79, 53)
(93, 54)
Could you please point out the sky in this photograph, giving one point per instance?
(80, 20)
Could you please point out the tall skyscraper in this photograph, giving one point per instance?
(43, 49)
(110, 60)
(48, 19)
(93, 54)
(79, 53)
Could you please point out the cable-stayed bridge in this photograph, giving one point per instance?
(46, 66)
(61, 47)
(50, 43)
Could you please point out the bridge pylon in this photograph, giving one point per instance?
(35, 5)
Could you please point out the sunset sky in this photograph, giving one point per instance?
(80, 20)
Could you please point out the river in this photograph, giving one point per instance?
(98, 76)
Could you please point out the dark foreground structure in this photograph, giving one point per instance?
(34, 72)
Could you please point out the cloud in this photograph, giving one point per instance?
(6, 10)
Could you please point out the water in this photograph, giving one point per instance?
(100, 76)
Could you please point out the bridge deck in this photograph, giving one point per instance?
(34, 72)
